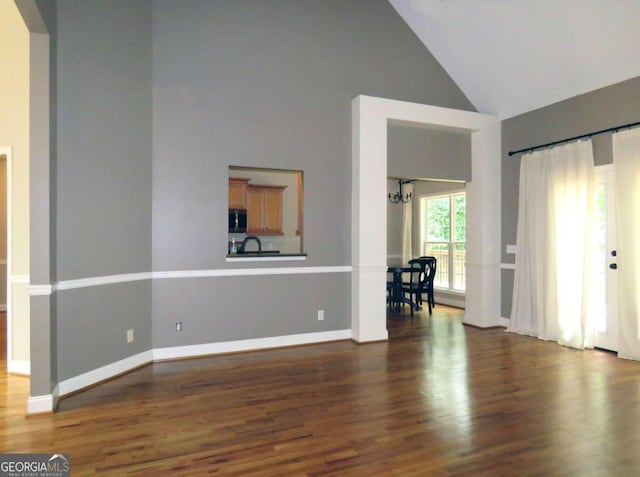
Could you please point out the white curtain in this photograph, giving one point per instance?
(407, 226)
(626, 158)
(552, 276)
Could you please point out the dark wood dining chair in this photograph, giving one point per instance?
(390, 291)
(431, 266)
(414, 287)
(428, 271)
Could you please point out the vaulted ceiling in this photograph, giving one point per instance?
(514, 56)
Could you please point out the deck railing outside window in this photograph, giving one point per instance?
(442, 253)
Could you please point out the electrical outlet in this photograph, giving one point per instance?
(178, 326)
(320, 315)
(129, 336)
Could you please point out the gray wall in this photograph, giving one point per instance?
(601, 109)
(394, 225)
(104, 138)
(44, 324)
(151, 101)
(266, 84)
(419, 153)
(93, 322)
(103, 178)
(220, 309)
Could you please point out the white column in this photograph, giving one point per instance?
(484, 229)
(369, 222)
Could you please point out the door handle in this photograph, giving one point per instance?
(614, 253)
(613, 266)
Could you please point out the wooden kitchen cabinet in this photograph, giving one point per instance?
(264, 209)
(238, 192)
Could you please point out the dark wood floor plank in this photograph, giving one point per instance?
(438, 399)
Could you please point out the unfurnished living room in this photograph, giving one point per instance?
(334, 237)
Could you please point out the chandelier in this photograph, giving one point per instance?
(398, 197)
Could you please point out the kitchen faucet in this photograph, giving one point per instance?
(248, 239)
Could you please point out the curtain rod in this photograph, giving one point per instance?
(602, 131)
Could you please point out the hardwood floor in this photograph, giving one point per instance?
(438, 399)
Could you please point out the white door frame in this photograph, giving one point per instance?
(370, 117)
(14, 366)
(6, 152)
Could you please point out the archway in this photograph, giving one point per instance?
(370, 117)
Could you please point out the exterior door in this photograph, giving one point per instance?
(604, 304)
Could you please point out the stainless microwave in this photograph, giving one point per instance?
(237, 221)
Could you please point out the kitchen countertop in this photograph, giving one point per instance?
(255, 252)
(264, 256)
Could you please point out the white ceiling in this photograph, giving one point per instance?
(513, 56)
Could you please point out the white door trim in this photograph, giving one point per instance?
(609, 339)
(7, 152)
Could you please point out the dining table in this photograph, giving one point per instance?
(396, 297)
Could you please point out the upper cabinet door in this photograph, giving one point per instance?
(264, 210)
(238, 193)
(254, 210)
(273, 211)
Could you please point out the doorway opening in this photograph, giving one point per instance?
(14, 302)
(437, 228)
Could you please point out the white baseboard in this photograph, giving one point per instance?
(175, 352)
(42, 404)
(105, 372)
(15, 366)
(449, 301)
(47, 403)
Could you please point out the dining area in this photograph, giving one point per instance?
(411, 284)
(426, 245)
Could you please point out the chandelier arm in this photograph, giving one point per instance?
(398, 197)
